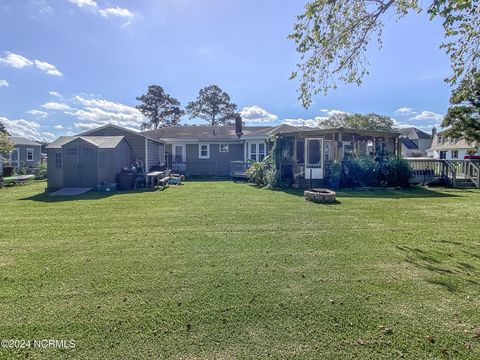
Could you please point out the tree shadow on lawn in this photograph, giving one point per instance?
(91, 195)
(446, 274)
(380, 193)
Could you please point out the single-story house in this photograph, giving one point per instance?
(98, 155)
(415, 142)
(208, 151)
(445, 147)
(26, 153)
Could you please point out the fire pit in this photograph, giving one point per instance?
(320, 195)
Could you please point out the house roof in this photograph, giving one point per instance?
(18, 140)
(102, 142)
(201, 132)
(143, 134)
(320, 131)
(409, 144)
(414, 133)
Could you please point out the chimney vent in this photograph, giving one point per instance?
(238, 125)
(434, 131)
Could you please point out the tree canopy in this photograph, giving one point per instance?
(3, 128)
(213, 105)
(332, 38)
(159, 108)
(463, 117)
(370, 121)
(6, 146)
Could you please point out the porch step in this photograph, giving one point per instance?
(464, 184)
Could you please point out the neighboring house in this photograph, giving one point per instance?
(445, 147)
(98, 155)
(207, 151)
(26, 153)
(415, 142)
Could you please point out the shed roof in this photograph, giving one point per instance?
(142, 134)
(102, 142)
(19, 140)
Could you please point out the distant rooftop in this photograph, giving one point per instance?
(414, 133)
(18, 140)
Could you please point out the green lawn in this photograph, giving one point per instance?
(224, 270)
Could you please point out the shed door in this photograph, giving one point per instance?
(80, 166)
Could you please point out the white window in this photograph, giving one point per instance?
(203, 151)
(261, 151)
(257, 151)
(454, 154)
(253, 152)
(179, 153)
(328, 150)
(223, 148)
(29, 154)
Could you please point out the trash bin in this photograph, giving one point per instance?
(8, 171)
(125, 180)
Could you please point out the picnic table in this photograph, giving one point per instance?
(18, 180)
(157, 177)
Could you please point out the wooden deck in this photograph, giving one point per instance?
(455, 173)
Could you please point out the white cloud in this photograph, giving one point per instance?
(38, 113)
(305, 122)
(94, 112)
(4, 83)
(48, 68)
(428, 115)
(56, 106)
(257, 114)
(58, 127)
(19, 62)
(108, 105)
(406, 111)
(55, 93)
(330, 112)
(28, 129)
(14, 60)
(85, 126)
(84, 3)
(116, 11)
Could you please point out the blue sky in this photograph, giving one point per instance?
(70, 65)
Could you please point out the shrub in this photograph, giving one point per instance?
(41, 171)
(257, 173)
(359, 172)
(365, 171)
(394, 171)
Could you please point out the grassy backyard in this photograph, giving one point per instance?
(224, 270)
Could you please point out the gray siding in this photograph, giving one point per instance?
(137, 142)
(54, 175)
(112, 161)
(156, 154)
(22, 150)
(217, 165)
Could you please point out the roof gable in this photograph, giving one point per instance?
(142, 134)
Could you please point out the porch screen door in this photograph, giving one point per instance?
(314, 158)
